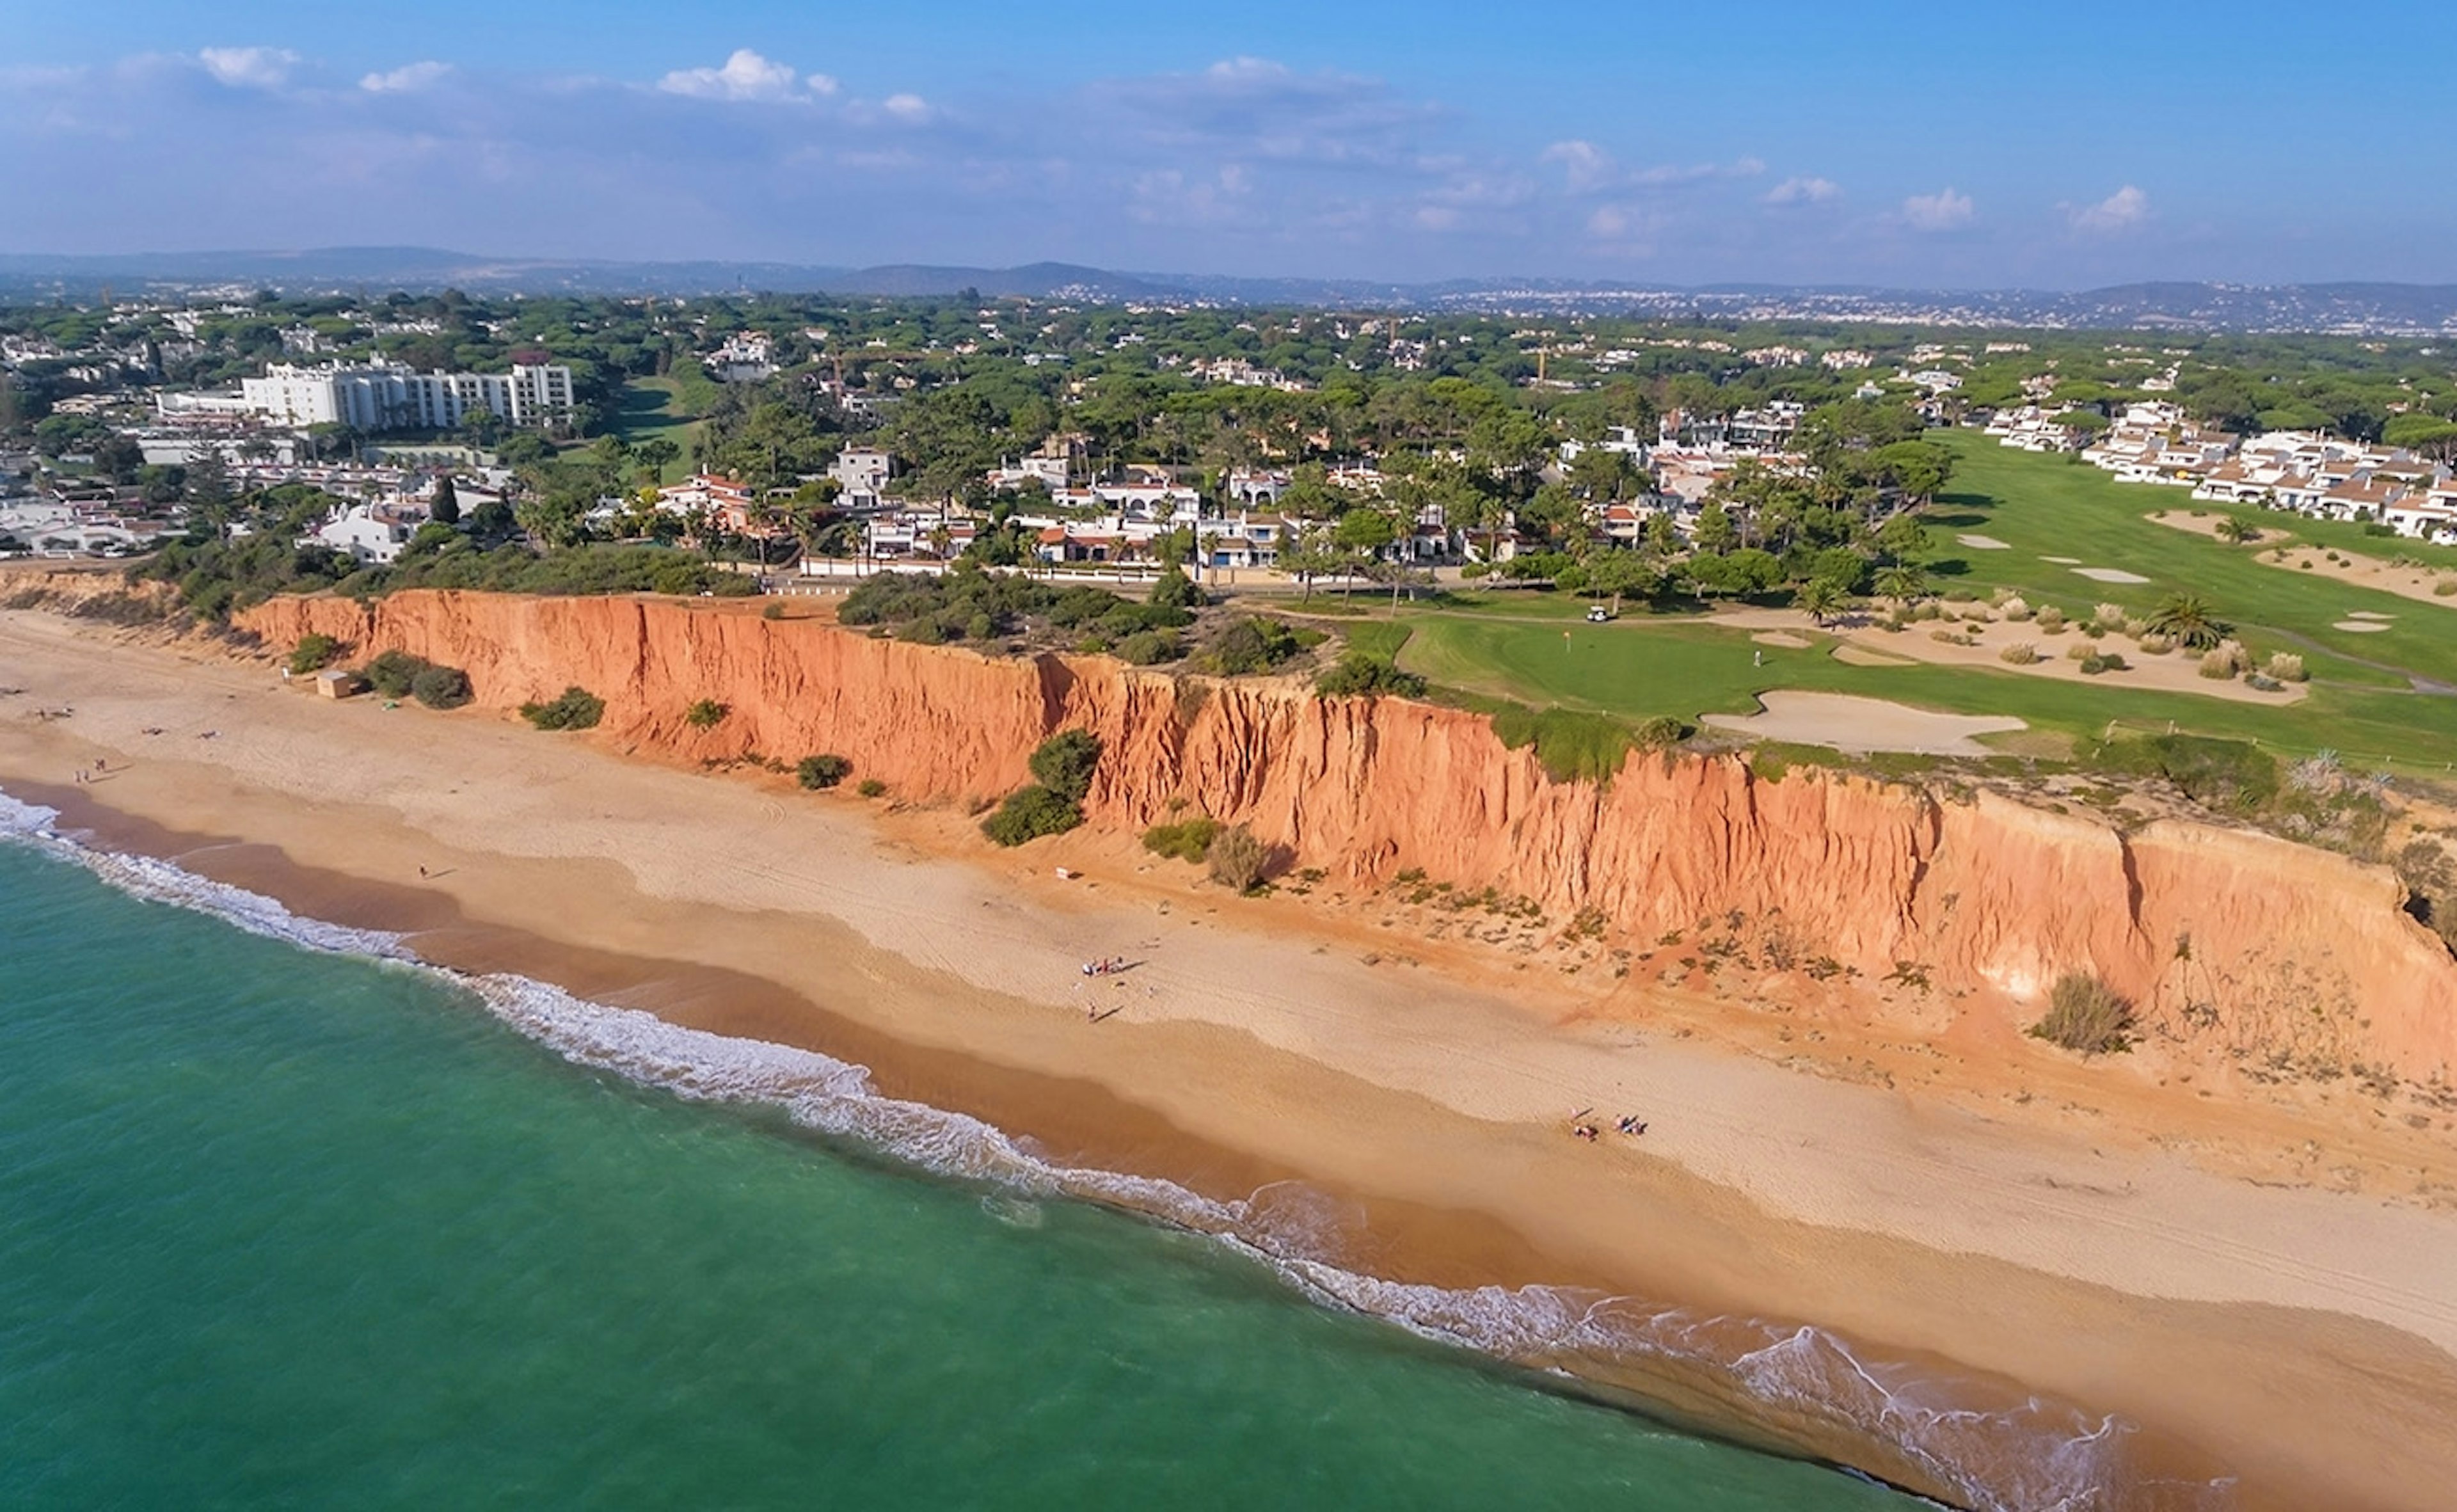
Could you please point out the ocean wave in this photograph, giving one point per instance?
(2029, 1456)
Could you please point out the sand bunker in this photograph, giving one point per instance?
(1983, 543)
(2063, 561)
(1862, 725)
(1855, 656)
(2109, 574)
(1781, 637)
(2362, 626)
(2369, 614)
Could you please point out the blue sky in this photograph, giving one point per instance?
(1903, 144)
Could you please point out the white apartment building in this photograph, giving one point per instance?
(389, 397)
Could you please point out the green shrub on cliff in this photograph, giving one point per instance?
(968, 604)
(314, 654)
(1358, 677)
(2230, 775)
(218, 578)
(578, 709)
(1575, 746)
(706, 714)
(1065, 764)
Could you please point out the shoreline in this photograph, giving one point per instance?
(1347, 1249)
(1294, 1062)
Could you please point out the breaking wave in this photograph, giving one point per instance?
(2032, 1456)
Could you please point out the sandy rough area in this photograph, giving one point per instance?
(1863, 725)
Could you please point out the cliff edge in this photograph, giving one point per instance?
(2229, 940)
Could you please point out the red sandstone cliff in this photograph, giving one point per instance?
(2232, 940)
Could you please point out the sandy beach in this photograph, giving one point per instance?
(1968, 1209)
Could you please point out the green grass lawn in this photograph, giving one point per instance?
(1513, 646)
(668, 407)
(2043, 506)
(1637, 669)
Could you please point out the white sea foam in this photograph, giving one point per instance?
(2034, 1457)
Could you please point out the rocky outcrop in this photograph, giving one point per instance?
(2271, 950)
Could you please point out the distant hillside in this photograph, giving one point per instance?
(2366, 308)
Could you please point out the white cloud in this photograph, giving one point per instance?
(1803, 192)
(1247, 68)
(1590, 167)
(909, 108)
(1942, 211)
(745, 76)
(249, 68)
(406, 79)
(1587, 164)
(2121, 210)
(819, 84)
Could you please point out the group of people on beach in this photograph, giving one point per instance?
(1629, 1124)
(1105, 966)
(85, 775)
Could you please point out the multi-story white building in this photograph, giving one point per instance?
(389, 397)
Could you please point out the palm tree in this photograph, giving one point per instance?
(2185, 618)
(2236, 530)
(1905, 583)
(1823, 599)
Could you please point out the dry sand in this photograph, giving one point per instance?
(2174, 671)
(2060, 1237)
(1863, 725)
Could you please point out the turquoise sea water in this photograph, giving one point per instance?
(282, 1228)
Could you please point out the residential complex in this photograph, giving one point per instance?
(386, 396)
(2307, 472)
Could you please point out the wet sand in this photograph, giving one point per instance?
(2297, 1338)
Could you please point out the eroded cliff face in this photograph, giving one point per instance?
(2230, 939)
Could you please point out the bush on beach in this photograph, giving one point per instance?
(1052, 805)
(1237, 858)
(1187, 840)
(817, 772)
(441, 687)
(2086, 1015)
(578, 709)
